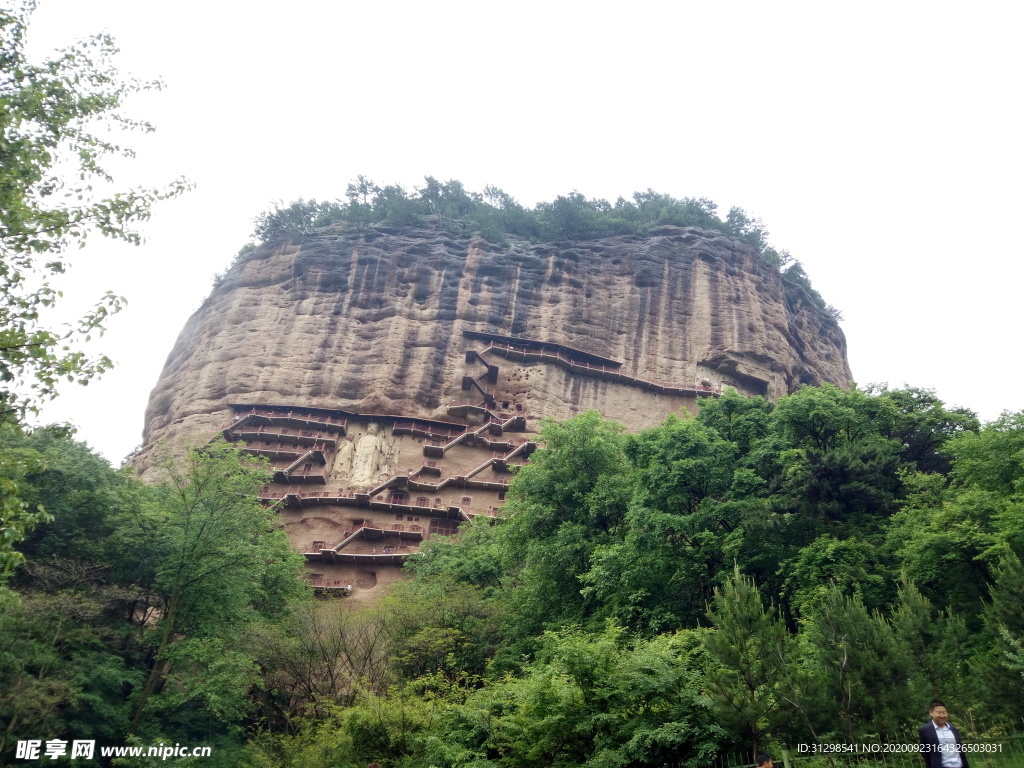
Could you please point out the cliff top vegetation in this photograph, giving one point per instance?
(496, 216)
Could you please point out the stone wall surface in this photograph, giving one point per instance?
(375, 324)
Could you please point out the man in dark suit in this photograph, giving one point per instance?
(941, 745)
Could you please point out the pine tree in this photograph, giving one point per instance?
(932, 642)
(860, 668)
(748, 654)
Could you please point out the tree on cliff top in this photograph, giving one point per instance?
(51, 155)
(494, 214)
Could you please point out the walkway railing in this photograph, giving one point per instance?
(600, 371)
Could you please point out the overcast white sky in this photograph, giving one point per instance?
(880, 143)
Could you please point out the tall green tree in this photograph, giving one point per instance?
(855, 565)
(570, 498)
(827, 417)
(999, 666)
(747, 649)
(991, 459)
(923, 425)
(67, 656)
(659, 573)
(736, 418)
(69, 652)
(934, 642)
(52, 153)
(54, 140)
(860, 669)
(17, 516)
(947, 539)
(223, 563)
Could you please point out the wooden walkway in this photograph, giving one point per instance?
(602, 372)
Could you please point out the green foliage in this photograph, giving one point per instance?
(570, 217)
(474, 557)
(567, 500)
(1005, 611)
(223, 564)
(681, 464)
(442, 627)
(299, 218)
(747, 649)
(208, 674)
(847, 491)
(860, 669)
(17, 516)
(991, 459)
(945, 540)
(449, 206)
(756, 576)
(52, 114)
(820, 496)
(137, 603)
(738, 419)
(855, 566)
(563, 481)
(747, 228)
(66, 656)
(1004, 628)
(658, 574)
(496, 216)
(55, 117)
(798, 284)
(1014, 652)
(75, 488)
(827, 417)
(593, 699)
(924, 426)
(934, 643)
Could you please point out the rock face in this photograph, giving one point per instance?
(375, 324)
(394, 380)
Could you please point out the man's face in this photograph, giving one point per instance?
(939, 716)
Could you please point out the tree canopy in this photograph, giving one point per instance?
(842, 555)
(137, 602)
(55, 135)
(753, 577)
(496, 216)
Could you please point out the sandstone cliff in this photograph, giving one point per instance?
(382, 322)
